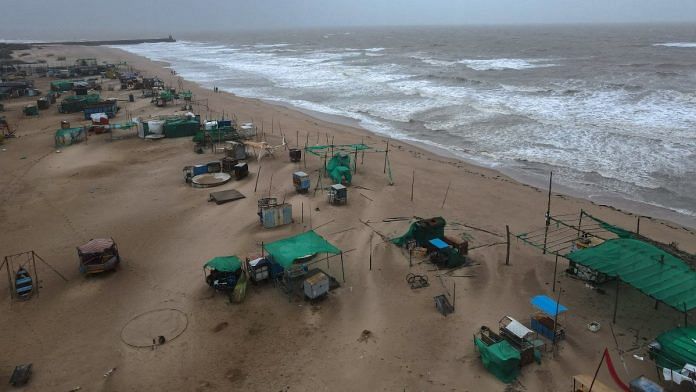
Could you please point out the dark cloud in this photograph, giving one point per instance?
(74, 19)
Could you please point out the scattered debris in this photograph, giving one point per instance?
(225, 196)
(417, 281)
(594, 326)
(75, 389)
(365, 336)
(443, 305)
(112, 370)
(21, 374)
(221, 326)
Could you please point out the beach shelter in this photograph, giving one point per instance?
(675, 348)
(546, 320)
(222, 272)
(654, 272)
(500, 358)
(339, 170)
(288, 251)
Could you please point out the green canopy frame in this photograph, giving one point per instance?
(309, 243)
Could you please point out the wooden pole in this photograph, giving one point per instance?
(6, 263)
(446, 192)
(328, 267)
(507, 253)
(597, 371)
(555, 268)
(413, 181)
(270, 185)
(36, 273)
(370, 251)
(555, 317)
(355, 161)
(298, 139)
(386, 152)
(258, 174)
(343, 272)
(454, 294)
(410, 257)
(580, 222)
(616, 299)
(638, 225)
(548, 214)
(302, 214)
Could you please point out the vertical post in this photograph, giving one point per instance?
(36, 273)
(304, 153)
(258, 174)
(638, 225)
(507, 254)
(597, 371)
(548, 214)
(616, 298)
(555, 317)
(686, 316)
(555, 268)
(355, 161)
(454, 294)
(446, 192)
(413, 181)
(580, 222)
(343, 272)
(270, 185)
(328, 267)
(410, 257)
(298, 139)
(386, 153)
(302, 213)
(263, 256)
(370, 251)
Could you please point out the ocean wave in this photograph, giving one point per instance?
(677, 44)
(504, 63)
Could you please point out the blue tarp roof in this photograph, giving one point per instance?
(548, 305)
(438, 243)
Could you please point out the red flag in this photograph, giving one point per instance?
(612, 372)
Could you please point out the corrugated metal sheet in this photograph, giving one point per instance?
(96, 245)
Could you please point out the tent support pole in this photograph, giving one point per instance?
(343, 272)
(555, 268)
(6, 263)
(386, 153)
(580, 223)
(616, 299)
(507, 253)
(638, 225)
(601, 361)
(36, 273)
(370, 251)
(548, 213)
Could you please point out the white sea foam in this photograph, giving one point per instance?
(677, 44)
(503, 63)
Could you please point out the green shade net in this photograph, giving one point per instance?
(651, 270)
(500, 358)
(224, 263)
(423, 231)
(69, 136)
(180, 127)
(339, 169)
(287, 250)
(677, 348)
(320, 150)
(622, 233)
(76, 103)
(61, 85)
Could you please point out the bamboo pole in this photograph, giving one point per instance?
(548, 213)
(413, 181)
(258, 174)
(446, 192)
(507, 254)
(386, 152)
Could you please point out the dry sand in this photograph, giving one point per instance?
(133, 191)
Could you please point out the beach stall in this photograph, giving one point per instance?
(98, 255)
(223, 272)
(522, 339)
(674, 353)
(545, 321)
(69, 136)
(291, 259)
(271, 214)
(497, 355)
(301, 181)
(338, 194)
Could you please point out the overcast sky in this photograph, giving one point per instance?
(67, 19)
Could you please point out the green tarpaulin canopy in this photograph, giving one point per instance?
(646, 267)
(339, 169)
(423, 231)
(677, 348)
(500, 358)
(224, 263)
(287, 250)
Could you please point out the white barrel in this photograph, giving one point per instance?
(155, 126)
(210, 125)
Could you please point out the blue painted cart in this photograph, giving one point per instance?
(545, 320)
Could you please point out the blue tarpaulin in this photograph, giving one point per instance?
(548, 305)
(438, 243)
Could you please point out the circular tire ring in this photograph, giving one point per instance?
(176, 334)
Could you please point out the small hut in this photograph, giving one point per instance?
(98, 255)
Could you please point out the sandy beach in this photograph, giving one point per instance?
(133, 190)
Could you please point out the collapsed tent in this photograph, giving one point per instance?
(61, 85)
(70, 136)
(644, 266)
(339, 170)
(284, 252)
(500, 358)
(422, 231)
